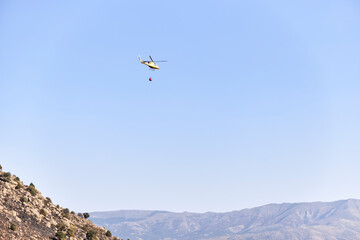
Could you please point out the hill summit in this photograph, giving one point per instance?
(26, 214)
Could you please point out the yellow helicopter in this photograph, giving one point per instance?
(151, 64)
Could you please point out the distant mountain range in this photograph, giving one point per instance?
(338, 220)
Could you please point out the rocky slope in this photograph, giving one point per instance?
(338, 220)
(26, 214)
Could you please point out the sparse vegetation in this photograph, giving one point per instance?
(85, 228)
(108, 233)
(13, 226)
(91, 235)
(18, 186)
(71, 231)
(24, 199)
(66, 213)
(48, 200)
(43, 212)
(60, 235)
(6, 176)
(31, 189)
(0, 167)
(61, 226)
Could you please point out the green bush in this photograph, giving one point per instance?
(18, 186)
(60, 235)
(0, 167)
(86, 215)
(71, 231)
(80, 215)
(91, 235)
(85, 228)
(31, 189)
(48, 200)
(24, 199)
(6, 176)
(108, 233)
(43, 212)
(61, 226)
(13, 226)
(32, 185)
(66, 213)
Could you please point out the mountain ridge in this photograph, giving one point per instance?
(315, 220)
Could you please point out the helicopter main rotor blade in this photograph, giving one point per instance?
(151, 58)
(160, 61)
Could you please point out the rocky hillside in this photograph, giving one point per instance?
(26, 214)
(338, 220)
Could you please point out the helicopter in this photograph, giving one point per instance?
(151, 64)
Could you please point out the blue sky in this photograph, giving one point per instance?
(258, 102)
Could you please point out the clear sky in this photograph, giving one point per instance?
(258, 102)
